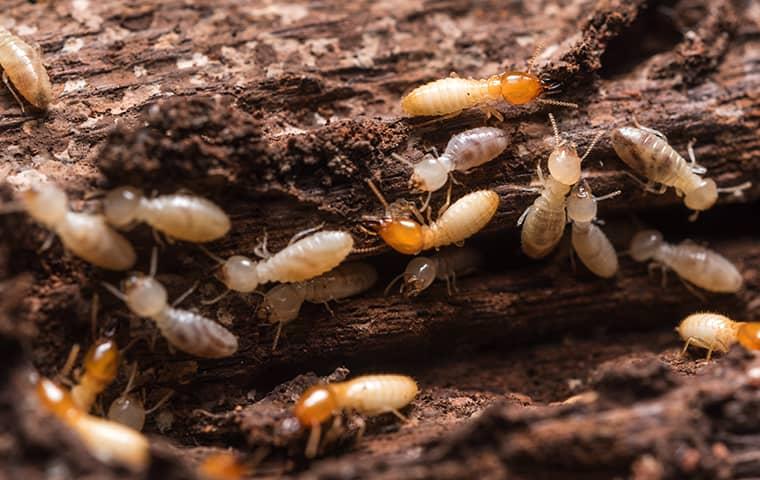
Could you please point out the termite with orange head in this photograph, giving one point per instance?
(23, 71)
(222, 466)
(447, 265)
(101, 364)
(692, 262)
(449, 96)
(184, 217)
(463, 219)
(88, 236)
(183, 329)
(589, 241)
(109, 442)
(543, 223)
(715, 332)
(648, 153)
(367, 395)
(282, 303)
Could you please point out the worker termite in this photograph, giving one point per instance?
(465, 151)
(23, 71)
(100, 368)
(184, 217)
(367, 395)
(543, 223)
(715, 332)
(302, 259)
(185, 330)
(87, 236)
(109, 442)
(463, 219)
(129, 410)
(282, 303)
(648, 153)
(449, 96)
(693, 263)
(446, 265)
(588, 240)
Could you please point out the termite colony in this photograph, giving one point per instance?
(311, 269)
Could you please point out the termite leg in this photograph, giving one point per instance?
(709, 352)
(306, 232)
(393, 282)
(448, 285)
(693, 290)
(442, 118)
(426, 203)
(261, 250)
(524, 214)
(329, 309)
(7, 83)
(686, 347)
(694, 166)
(217, 298)
(572, 260)
(70, 359)
(490, 111)
(694, 216)
(398, 414)
(362, 428)
(277, 336)
(313, 443)
(94, 306)
(646, 186)
(47, 243)
(454, 282)
(446, 204)
(182, 297)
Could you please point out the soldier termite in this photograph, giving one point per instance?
(87, 236)
(715, 332)
(100, 368)
(449, 96)
(184, 217)
(185, 330)
(129, 410)
(648, 153)
(222, 466)
(447, 265)
(367, 395)
(23, 71)
(302, 259)
(543, 223)
(282, 303)
(588, 240)
(463, 219)
(693, 263)
(109, 442)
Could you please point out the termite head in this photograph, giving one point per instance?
(56, 399)
(703, 197)
(403, 234)
(519, 88)
(222, 466)
(144, 295)
(239, 274)
(281, 304)
(429, 174)
(102, 360)
(316, 405)
(120, 205)
(581, 205)
(46, 203)
(645, 244)
(419, 275)
(748, 335)
(128, 410)
(565, 164)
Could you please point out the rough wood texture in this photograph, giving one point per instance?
(279, 112)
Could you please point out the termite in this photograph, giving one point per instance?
(222, 466)
(302, 259)
(648, 153)
(465, 151)
(282, 303)
(463, 219)
(446, 265)
(86, 235)
(23, 71)
(715, 332)
(129, 410)
(100, 368)
(588, 240)
(367, 395)
(183, 329)
(109, 442)
(183, 217)
(693, 263)
(449, 96)
(543, 223)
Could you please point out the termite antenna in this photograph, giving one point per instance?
(378, 194)
(591, 145)
(130, 380)
(557, 140)
(609, 195)
(212, 256)
(536, 52)
(114, 291)
(160, 403)
(153, 262)
(94, 306)
(217, 298)
(402, 159)
(393, 282)
(373, 249)
(70, 359)
(277, 336)
(559, 103)
(737, 190)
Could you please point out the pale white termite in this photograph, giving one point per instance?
(368, 395)
(107, 441)
(465, 151)
(282, 303)
(694, 263)
(447, 265)
(715, 332)
(23, 71)
(185, 330)
(129, 410)
(302, 259)
(463, 219)
(589, 241)
(184, 217)
(86, 235)
(648, 153)
(543, 223)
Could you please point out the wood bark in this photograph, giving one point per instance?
(279, 112)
